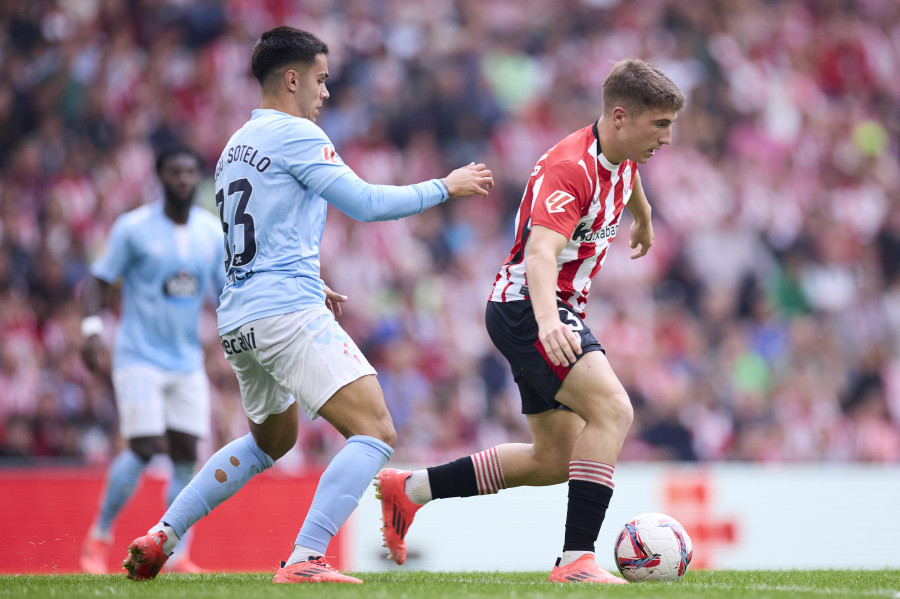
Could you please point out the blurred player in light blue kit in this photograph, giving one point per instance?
(274, 181)
(169, 257)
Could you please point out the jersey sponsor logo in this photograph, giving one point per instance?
(557, 200)
(236, 276)
(330, 155)
(237, 344)
(181, 286)
(584, 234)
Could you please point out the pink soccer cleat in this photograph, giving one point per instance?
(584, 569)
(397, 511)
(94, 556)
(315, 569)
(145, 556)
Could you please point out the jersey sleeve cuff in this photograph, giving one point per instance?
(554, 226)
(445, 191)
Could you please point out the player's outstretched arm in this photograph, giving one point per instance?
(642, 227)
(472, 179)
(368, 203)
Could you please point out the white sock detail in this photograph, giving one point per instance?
(418, 487)
(171, 538)
(488, 474)
(570, 556)
(592, 472)
(301, 554)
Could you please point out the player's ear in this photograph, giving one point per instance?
(290, 79)
(619, 115)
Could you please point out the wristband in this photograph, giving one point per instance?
(91, 325)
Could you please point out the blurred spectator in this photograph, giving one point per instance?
(748, 334)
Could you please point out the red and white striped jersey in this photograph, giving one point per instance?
(578, 193)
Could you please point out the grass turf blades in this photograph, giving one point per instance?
(454, 585)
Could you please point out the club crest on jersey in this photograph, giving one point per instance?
(557, 200)
(182, 285)
(626, 178)
(330, 155)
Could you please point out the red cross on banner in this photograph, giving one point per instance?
(689, 498)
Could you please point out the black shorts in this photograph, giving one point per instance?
(514, 331)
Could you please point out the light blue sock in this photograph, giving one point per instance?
(339, 490)
(182, 473)
(220, 478)
(121, 479)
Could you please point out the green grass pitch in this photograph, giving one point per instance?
(456, 585)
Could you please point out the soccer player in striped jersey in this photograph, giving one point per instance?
(274, 181)
(577, 409)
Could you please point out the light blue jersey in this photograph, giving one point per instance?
(167, 272)
(273, 183)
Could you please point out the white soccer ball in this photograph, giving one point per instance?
(653, 547)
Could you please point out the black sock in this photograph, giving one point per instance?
(588, 503)
(455, 479)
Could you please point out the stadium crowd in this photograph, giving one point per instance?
(764, 324)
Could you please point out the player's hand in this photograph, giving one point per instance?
(561, 344)
(95, 354)
(472, 179)
(641, 238)
(334, 300)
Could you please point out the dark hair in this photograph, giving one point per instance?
(637, 85)
(283, 46)
(171, 152)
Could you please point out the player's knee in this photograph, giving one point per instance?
(146, 447)
(384, 431)
(277, 434)
(275, 447)
(183, 455)
(377, 424)
(620, 411)
(182, 447)
(275, 441)
(612, 411)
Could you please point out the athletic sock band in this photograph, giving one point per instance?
(478, 474)
(488, 474)
(592, 472)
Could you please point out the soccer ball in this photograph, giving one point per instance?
(653, 547)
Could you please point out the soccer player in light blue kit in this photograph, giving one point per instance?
(276, 317)
(169, 256)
